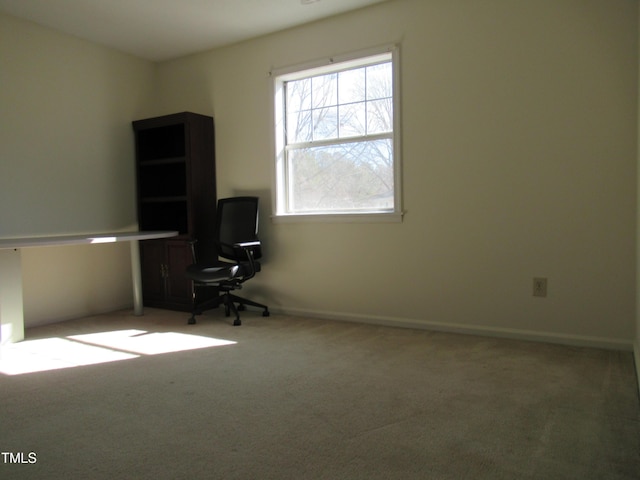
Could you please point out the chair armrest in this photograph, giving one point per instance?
(248, 248)
(247, 245)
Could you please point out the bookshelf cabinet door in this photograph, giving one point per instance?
(152, 255)
(179, 288)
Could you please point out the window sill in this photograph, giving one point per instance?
(391, 217)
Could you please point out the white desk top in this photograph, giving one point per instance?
(81, 239)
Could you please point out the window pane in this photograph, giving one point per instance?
(351, 86)
(349, 177)
(299, 126)
(325, 123)
(379, 81)
(353, 120)
(379, 116)
(324, 90)
(298, 95)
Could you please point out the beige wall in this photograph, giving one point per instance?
(66, 163)
(519, 160)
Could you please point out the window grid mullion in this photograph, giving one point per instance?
(338, 103)
(366, 109)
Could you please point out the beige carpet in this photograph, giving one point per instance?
(298, 398)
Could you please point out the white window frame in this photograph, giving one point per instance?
(352, 60)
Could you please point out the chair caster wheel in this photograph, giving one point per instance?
(237, 322)
(266, 313)
(191, 321)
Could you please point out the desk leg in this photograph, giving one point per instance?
(136, 276)
(11, 309)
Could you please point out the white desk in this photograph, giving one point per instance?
(11, 304)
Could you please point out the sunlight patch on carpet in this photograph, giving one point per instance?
(30, 356)
(149, 343)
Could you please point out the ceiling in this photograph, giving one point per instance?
(164, 29)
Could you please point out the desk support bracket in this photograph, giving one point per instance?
(136, 277)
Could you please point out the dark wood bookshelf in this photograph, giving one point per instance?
(176, 190)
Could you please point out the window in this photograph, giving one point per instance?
(336, 139)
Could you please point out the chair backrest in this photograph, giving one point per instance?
(236, 221)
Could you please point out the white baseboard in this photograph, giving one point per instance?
(529, 335)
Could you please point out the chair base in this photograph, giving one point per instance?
(228, 300)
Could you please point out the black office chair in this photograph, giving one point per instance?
(237, 241)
